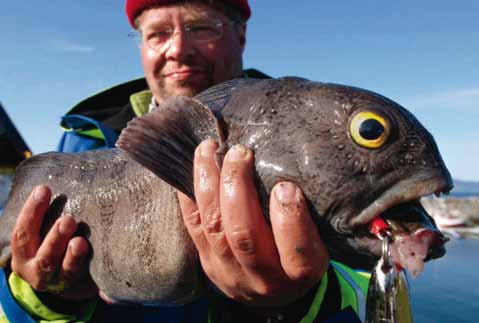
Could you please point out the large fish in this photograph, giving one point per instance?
(355, 154)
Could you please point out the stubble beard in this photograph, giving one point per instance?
(166, 90)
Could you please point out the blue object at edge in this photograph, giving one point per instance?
(72, 142)
(10, 307)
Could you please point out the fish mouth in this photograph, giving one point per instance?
(414, 235)
(407, 190)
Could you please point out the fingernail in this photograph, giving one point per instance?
(286, 192)
(40, 193)
(75, 250)
(65, 227)
(236, 153)
(208, 148)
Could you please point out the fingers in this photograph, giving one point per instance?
(248, 234)
(207, 181)
(50, 254)
(75, 267)
(47, 265)
(192, 220)
(26, 234)
(302, 252)
(236, 245)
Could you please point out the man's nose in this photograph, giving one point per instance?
(178, 46)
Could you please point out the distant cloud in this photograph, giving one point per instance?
(67, 46)
(458, 99)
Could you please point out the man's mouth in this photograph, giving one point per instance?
(183, 74)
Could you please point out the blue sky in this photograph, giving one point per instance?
(422, 54)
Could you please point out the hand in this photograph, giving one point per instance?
(59, 263)
(241, 254)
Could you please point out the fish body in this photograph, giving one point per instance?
(307, 132)
(142, 252)
(355, 154)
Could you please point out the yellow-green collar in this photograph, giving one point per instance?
(140, 102)
(25, 296)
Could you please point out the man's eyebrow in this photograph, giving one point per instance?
(156, 23)
(187, 19)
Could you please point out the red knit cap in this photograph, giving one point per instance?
(135, 7)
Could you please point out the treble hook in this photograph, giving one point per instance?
(388, 292)
(385, 250)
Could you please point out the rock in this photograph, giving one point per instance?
(458, 217)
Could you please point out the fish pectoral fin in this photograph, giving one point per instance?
(218, 96)
(164, 140)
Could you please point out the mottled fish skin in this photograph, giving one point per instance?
(141, 251)
(299, 132)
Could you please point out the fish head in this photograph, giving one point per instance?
(357, 156)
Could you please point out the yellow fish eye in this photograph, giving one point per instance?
(369, 129)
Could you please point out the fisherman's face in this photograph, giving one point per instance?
(183, 65)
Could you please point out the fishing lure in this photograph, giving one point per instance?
(388, 298)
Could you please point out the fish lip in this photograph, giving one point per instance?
(404, 191)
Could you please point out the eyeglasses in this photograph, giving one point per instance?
(198, 31)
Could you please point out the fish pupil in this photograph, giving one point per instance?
(371, 129)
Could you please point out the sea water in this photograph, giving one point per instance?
(448, 289)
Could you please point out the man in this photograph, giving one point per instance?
(257, 272)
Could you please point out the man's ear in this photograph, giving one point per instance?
(242, 35)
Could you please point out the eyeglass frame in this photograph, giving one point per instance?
(186, 28)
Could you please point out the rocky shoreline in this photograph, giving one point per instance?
(456, 216)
